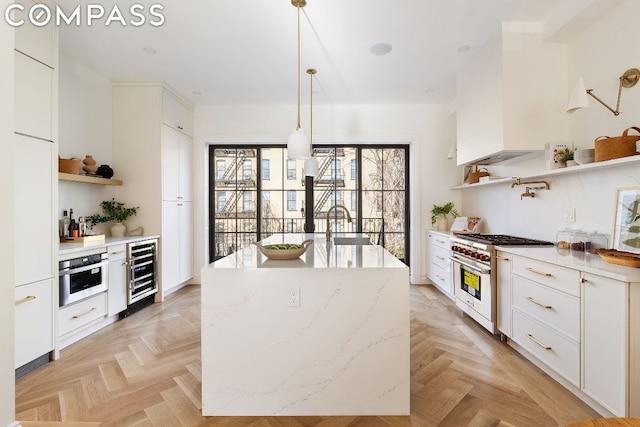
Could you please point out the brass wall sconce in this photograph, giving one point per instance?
(579, 96)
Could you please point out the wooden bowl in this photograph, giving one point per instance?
(613, 256)
(284, 254)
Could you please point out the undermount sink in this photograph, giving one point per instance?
(351, 241)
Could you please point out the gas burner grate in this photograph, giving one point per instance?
(503, 240)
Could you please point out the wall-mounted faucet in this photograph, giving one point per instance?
(528, 193)
(518, 182)
(328, 233)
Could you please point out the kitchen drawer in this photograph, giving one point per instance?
(558, 352)
(558, 310)
(441, 277)
(82, 313)
(441, 241)
(554, 276)
(117, 252)
(33, 321)
(440, 257)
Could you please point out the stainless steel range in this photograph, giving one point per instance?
(474, 273)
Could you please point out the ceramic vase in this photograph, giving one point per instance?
(89, 165)
(441, 223)
(118, 229)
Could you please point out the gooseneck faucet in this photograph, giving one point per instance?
(328, 234)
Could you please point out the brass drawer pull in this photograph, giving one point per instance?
(539, 303)
(25, 299)
(441, 241)
(538, 342)
(117, 252)
(501, 257)
(91, 310)
(542, 273)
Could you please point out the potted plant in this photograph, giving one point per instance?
(565, 156)
(113, 211)
(439, 215)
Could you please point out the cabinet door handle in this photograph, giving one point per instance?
(125, 263)
(441, 241)
(539, 303)
(91, 310)
(546, 347)
(501, 257)
(439, 257)
(116, 253)
(542, 273)
(583, 280)
(25, 299)
(179, 197)
(180, 127)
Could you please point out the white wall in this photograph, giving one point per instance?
(85, 128)
(598, 55)
(429, 129)
(7, 296)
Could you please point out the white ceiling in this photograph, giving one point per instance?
(245, 52)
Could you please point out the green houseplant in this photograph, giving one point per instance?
(439, 214)
(564, 156)
(113, 211)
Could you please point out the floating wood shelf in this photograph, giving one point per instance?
(87, 179)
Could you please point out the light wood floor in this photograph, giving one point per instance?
(145, 371)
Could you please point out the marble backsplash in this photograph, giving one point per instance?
(592, 193)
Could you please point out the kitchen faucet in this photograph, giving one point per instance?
(328, 234)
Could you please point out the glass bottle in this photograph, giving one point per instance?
(64, 225)
(72, 223)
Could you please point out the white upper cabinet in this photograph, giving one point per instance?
(512, 97)
(33, 98)
(176, 114)
(33, 41)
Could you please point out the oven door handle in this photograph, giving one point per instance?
(471, 266)
(67, 271)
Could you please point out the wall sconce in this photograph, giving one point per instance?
(579, 96)
(452, 151)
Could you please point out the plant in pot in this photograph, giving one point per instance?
(113, 211)
(439, 215)
(565, 156)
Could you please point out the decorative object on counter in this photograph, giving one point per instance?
(439, 215)
(475, 175)
(113, 211)
(579, 241)
(550, 153)
(563, 239)
(579, 96)
(596, 242)
(89, 165)
(69, 165)
(626, 230)
(138, 231)
(563, 157)
(608, 148)
(584, 156)
(466, 224)
(104, 171)
(90, 239)
(628, 259)
(298, 144)
(284, 251)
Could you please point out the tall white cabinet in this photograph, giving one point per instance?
(35, 195)
(153, 152)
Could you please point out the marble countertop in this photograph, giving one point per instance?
(66, 249)
(321, 254)
(589, 263)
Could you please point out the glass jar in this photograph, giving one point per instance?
(563, 239)
(579, 241)
(597, 241)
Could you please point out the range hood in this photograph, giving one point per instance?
(506, 157)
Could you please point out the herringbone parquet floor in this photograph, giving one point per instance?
(145, 371)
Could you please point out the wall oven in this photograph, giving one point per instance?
(82, 277)
(475, 276)
(143, 270)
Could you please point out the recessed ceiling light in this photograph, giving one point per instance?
(149, 50)
(464, 48)
(381, 48)
(428, 90)
(197, 92)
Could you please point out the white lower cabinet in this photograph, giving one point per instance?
(439, 263)
(72, 318)
(177, 243)
(580, 325)
(33, 325)
(117, 300)
(605, 332)
(503, 293)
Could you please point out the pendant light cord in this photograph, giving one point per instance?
(298, 125)
(311, 72)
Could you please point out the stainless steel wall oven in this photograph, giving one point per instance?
(82, 277)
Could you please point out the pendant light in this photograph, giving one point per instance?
(298, 144)
(311, 164)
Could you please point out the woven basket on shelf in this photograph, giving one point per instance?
(615, 147)
(69, 165)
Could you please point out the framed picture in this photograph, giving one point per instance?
(465, 173)
(626, 227)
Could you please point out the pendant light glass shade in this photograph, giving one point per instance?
(579, 97)
(311, 166)
(298, 145)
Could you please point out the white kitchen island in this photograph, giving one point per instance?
(341, 349)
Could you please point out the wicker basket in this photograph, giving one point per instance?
(69, 166)
(619, 146)
(474, 177)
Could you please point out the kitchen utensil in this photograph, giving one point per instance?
(284, 254)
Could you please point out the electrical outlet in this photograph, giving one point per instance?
(294, 297)
(570, 215)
